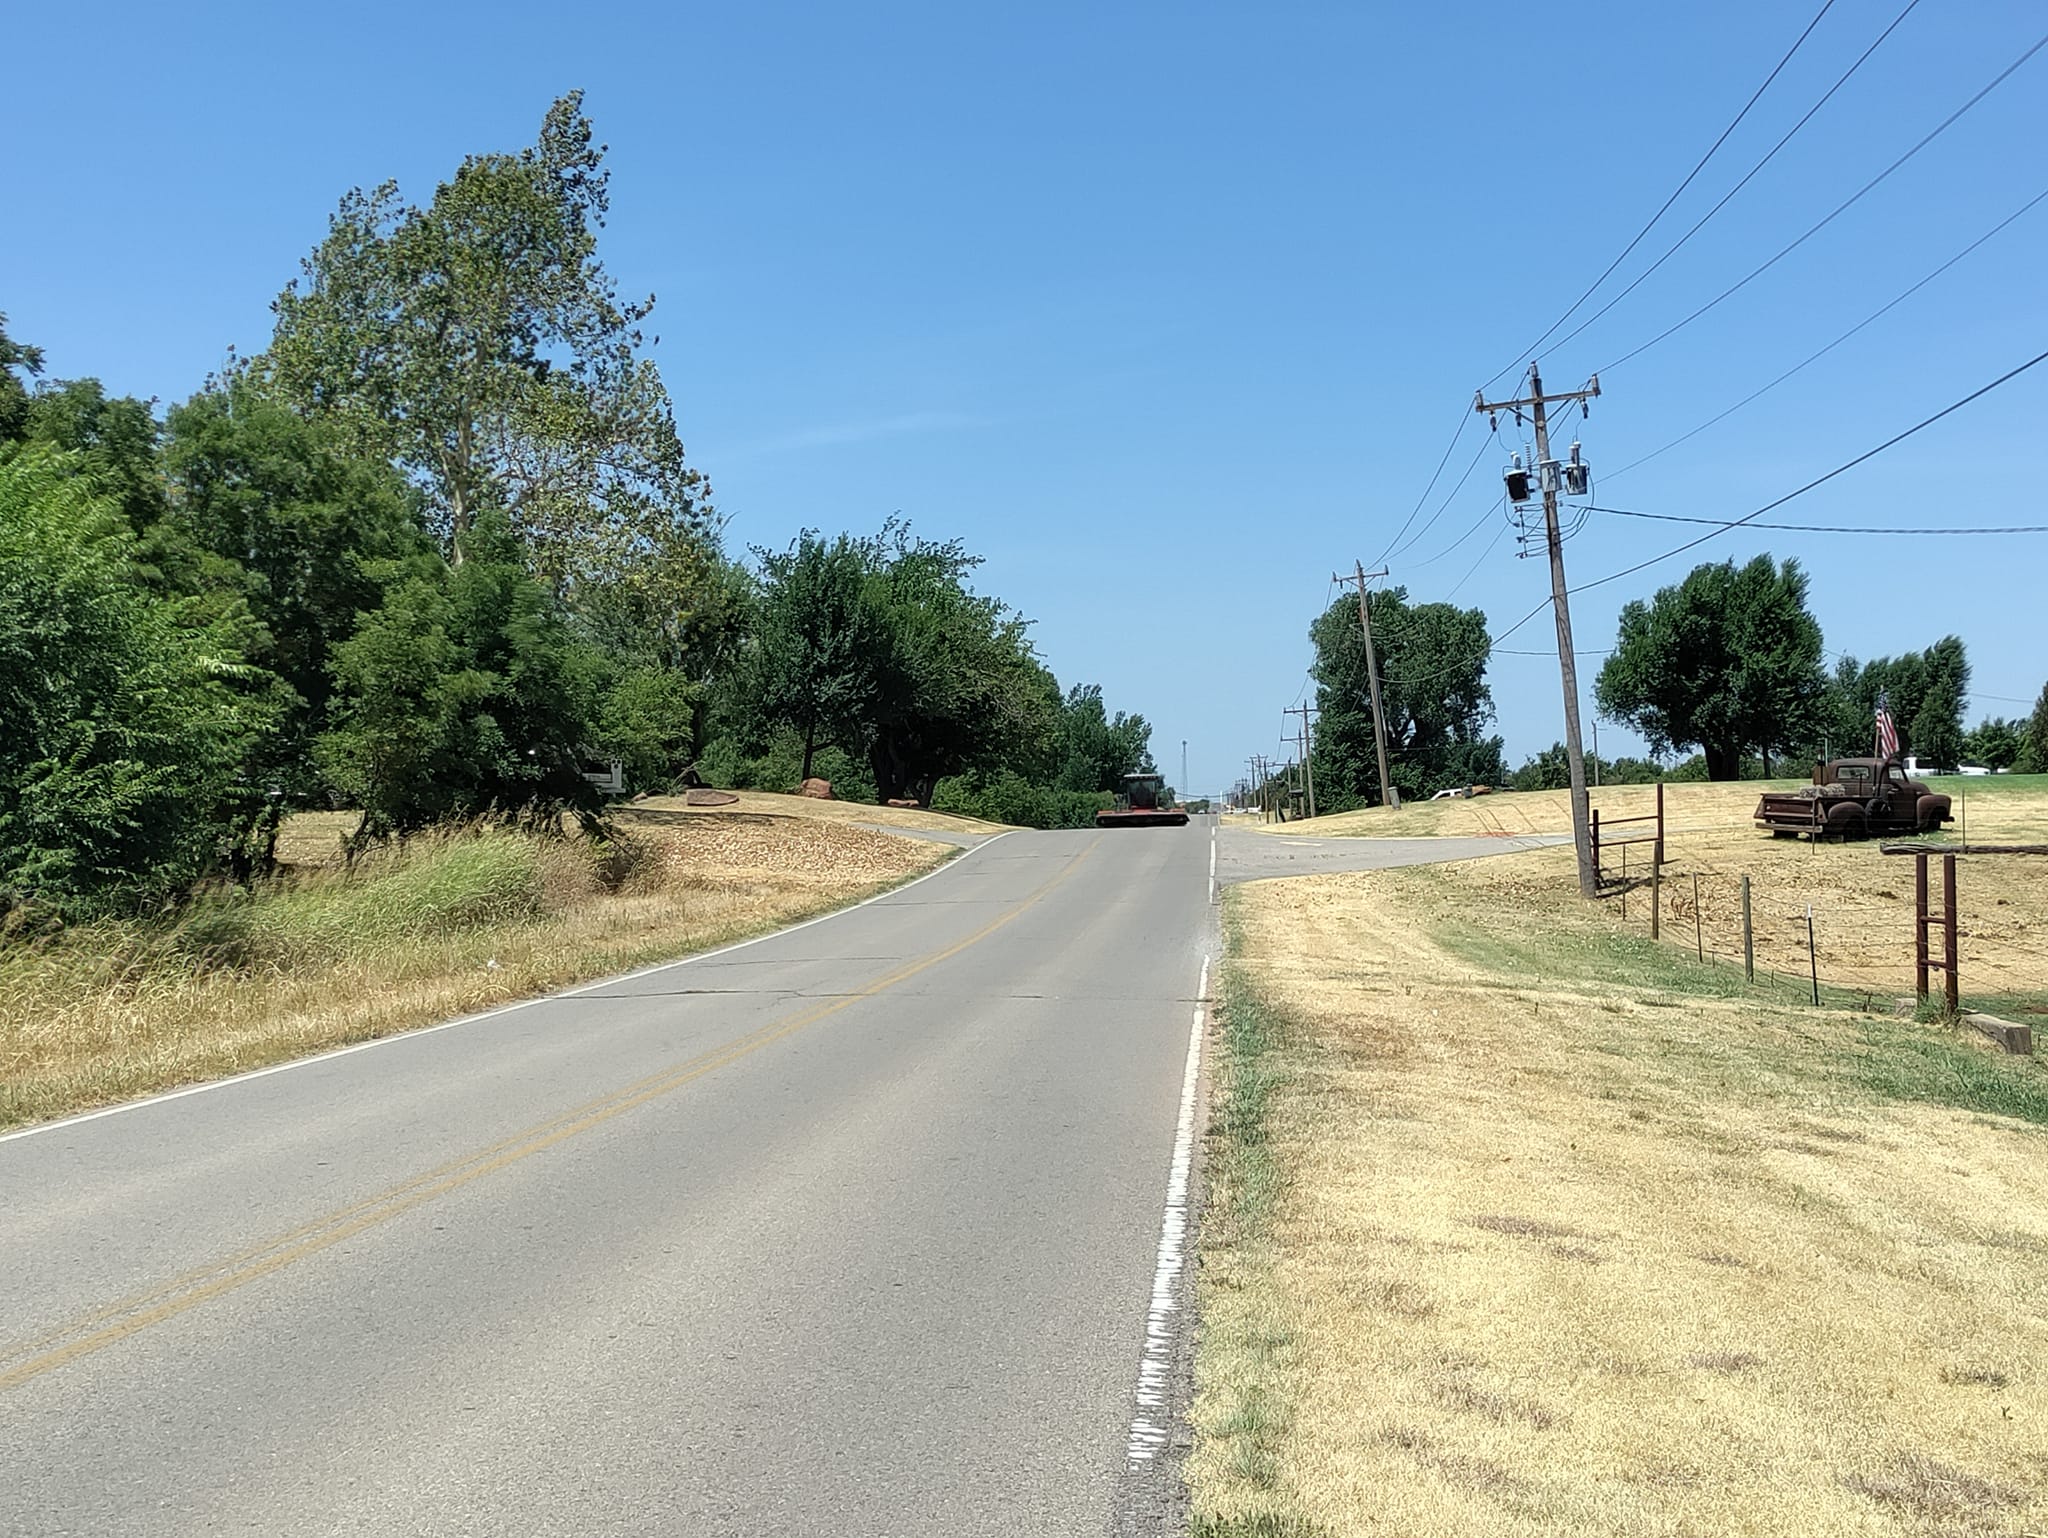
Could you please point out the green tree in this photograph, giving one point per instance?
(467, 694)
(956, 684)
(1995, 743)
(1095, 749)
(811, 664)
(14, 389)
(2033, 755)
(479, 344)
(1926, 691)
(124, 716)
(1727, 661)
(302, 533)
(1434, 694)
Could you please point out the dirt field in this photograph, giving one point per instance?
(449, 926)
(1523, 1224)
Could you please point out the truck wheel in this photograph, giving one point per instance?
(1848, 822)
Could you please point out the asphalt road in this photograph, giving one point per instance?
(849, 1231)
(855, 1230)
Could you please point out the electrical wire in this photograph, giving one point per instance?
(1820, 480)
(1464, 419)
(1840, 209)
(1729, 195)
(1484, 444)
(1815, 357)
(1483, 520)
(1808, 528)
(1712, 150)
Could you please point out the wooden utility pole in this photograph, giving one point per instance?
(1389, 797)
(1306, 739)
(1548, 474)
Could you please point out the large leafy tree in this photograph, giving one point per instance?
(1433, 691)
(125, 716)
(1996, 743)
(2033, 754)
(479, 344)
(1727, 661)
(813, 653)
(304, 534)
(1926, 691)
(957, 686)
(1096, 750)
(466, 694)
(14, 390)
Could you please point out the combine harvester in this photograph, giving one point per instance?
(1138, 806)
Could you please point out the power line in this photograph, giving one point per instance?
(1808, 528)
(1815, 357)
(1409, 544)
(1481, 523)
(1666, 207)
(1840, 209)
(1729, 195)
(1464, 418)
(1820, 480)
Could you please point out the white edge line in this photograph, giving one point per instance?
(1149, 1430)
(489, 1014)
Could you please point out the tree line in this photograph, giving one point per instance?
(437, 549)
(1724, 673)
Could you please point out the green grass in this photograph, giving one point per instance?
(1926, 1061)
(1243, 1409)
(1941, 1065)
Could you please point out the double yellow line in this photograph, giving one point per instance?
(118, 1321)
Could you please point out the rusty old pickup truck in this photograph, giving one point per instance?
(1853, 798)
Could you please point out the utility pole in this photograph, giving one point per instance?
(1550, 474)
(1184, 771)
(1307, 751)
(1389, 797)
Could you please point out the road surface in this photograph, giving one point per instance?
(854, 1230)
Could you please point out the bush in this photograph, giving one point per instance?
(436, 883)
(1008, 797)
(124, 717)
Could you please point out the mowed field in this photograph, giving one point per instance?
(1522, 1222)
(452, 924)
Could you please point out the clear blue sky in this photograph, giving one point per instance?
(1168, 310)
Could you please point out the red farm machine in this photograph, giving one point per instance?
(1137, 806)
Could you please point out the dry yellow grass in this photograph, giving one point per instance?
(1563, 1234)
(770, 804)
(109, 1011)
(2003, 807)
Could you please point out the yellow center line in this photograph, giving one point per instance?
(138, 1312)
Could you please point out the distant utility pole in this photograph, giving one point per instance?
(1389, 797)
(1305, 738)
(1184, 769)
(1575, 478)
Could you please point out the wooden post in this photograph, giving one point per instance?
(1948, 933)
(1624, 883)
(1920, 926)
(1699, 937)
(1656, 899)
(1748, 944)
(1596, 843)
(1660, 822)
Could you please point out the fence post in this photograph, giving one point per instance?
(1948, 927)
(1656, 899)
(1699, 936)
(1596, 846)
(1660, 822)
(1812, 956)
(1920, 926)
(1748, 945)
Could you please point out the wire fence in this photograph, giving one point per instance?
(1814, 938)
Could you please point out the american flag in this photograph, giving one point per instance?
(1887, 733)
